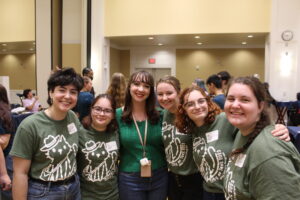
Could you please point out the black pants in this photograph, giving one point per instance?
(185, 187)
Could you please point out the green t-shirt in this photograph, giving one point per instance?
(131, 150)
(268, 169)
(212, 144)
(50, 145)
(178, 147)
(97, 164)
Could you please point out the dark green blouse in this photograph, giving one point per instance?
(131, 150)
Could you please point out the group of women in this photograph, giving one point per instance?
(187, 150)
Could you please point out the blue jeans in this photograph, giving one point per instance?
(133, 187)
(41, 191)
(213, 196)
(187, 187)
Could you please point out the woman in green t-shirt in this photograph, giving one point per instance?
(98, 151)
(185, 181)
(260, 166)
(46, 143)
(143, 169)
(213, 137)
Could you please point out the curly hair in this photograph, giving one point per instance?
(5, 117)
(64, 77)
(113, 125)
(152, 112)
(183, 123)
(117, 89)
(260, 94)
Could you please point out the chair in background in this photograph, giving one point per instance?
(21, 98)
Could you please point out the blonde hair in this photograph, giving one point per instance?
(117, 89)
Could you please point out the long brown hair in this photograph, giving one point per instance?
(113, 125)
(117, 88)
(260, 94)
(5, 115)
(152, 113)
(183, 122)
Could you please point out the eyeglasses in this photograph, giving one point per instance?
(98, 110)
(192, 104)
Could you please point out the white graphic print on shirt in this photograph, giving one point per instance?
(102, 161)
(59, 151)
(213, 162)
(176, 151)
(229, 184)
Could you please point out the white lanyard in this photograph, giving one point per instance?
(140, 136)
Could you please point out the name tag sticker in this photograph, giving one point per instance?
(212, 136)
(111, 146)
(240, 160)
(72, 128)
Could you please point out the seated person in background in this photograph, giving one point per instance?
(31, 101)
(214, 85)
(85, 99)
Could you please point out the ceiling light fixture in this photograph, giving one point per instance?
(199, 43)
(244, 43)
(4, 44)
(31, 49)
(150, 38)
(160, 44)
(197, 37)
(250, 36)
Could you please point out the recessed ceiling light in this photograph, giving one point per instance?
(159, 44)
(197, 37)
(31, 49)
(4, 44)
(33, 43)
(199, 43)
(250, 36)
(150, 38)
(244, 43)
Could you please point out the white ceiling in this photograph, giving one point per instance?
(179, 41)
(189, 40)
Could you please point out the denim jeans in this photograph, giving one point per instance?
(134, 187)
(213, 196)
(40, 191)
(185, 187)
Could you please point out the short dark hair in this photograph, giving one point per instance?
(214, 79)
(86, 70)
(224, 75)
(64, 77)
(26, 92)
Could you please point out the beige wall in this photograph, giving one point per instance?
(238, 62)
(144, 17)
(21, 70)
(17, 20)
(71, 56)
(120, 62)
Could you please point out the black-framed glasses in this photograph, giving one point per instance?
(192, 104)
(99, 110)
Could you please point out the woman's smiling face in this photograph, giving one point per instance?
(242, 108)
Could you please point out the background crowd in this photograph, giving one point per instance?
(212, 144)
